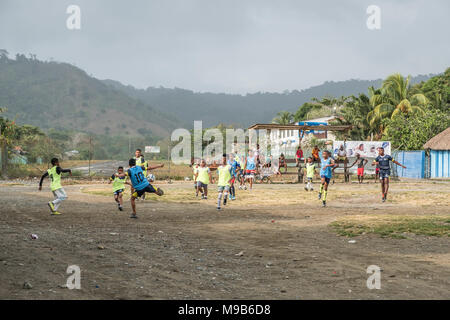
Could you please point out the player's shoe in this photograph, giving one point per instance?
(306, 188)
(233, 198)
(159, 192)
(324, 203)
(56, 213)
(205, 197)
(133, 216)
(320, 196)
(219, 208)
(120, 208)
(51, 206)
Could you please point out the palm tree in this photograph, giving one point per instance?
(283, 117)
(393, 98)
(355, 112)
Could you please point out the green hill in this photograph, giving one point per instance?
(242, 110)
(61, 96)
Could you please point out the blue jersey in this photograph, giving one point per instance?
(234, 166)
(383, 161)
(251, 163)
(326, 172)
(137, 178)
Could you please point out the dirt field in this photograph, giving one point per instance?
(274, 242)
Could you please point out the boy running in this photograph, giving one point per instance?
(118, 183)
(54, 175)
(361, 164)
(194, 177)
(203, 178)
(326, 165)
(139, 184)
(235, 167)
(250, 165)
(310, 170)
(242, 175)
(385, 170)
(224, 183)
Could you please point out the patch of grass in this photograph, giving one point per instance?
(393, 226)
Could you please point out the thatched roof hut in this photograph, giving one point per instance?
(440, 141)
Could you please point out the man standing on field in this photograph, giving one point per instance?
(361, 162)
(385, 170)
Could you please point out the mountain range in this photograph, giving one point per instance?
(59, 95)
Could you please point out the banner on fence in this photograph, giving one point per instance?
(152, 149)
(366, 149)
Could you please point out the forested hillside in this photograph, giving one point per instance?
(242, 110)
(64, 97)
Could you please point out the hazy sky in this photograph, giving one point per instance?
(232, 46)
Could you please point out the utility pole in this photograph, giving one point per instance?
(168, 158)
(90, 156)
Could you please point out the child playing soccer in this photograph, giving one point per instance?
(326, 165)
(385, 171)
(203, 177)
(54, 175)
(224, 172)
(118, 183)
(361, 164)
(235, 167)
(310, 170)
(250, 165)
(194, 177)
(139, 184)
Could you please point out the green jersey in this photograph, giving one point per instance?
(203, 175)
(118, 183)
(224, 175)
(194, 170)
(55, 179)
(310, 170)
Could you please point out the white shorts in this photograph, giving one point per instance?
(223, 188)
(60, 194)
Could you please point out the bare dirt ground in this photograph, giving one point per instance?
(274, 242)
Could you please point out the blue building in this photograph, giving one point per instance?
(438, 148)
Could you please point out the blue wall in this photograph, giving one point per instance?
(440, 163)
(414, 162)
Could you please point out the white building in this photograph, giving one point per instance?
(288, 140)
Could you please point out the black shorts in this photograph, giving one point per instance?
(327, 180)
(385, 173)
(139, 193)
(116, 193)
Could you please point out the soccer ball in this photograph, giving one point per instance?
(151, 178)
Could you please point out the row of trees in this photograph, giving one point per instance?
(407, 115)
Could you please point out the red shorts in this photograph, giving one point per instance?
(377, 170)
(360, 171)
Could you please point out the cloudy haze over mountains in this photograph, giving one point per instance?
(232, 46)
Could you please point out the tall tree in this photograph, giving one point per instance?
(393, 98)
